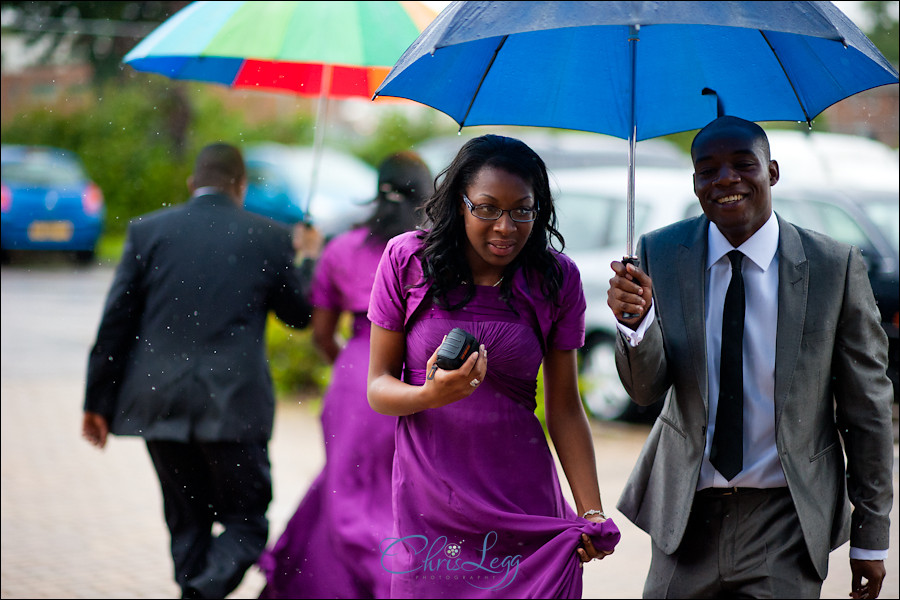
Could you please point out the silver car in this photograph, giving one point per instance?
(591, 208)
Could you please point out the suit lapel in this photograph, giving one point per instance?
(691, 273)
(793, 291)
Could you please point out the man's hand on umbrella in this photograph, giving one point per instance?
(308, 241)
(630, 292)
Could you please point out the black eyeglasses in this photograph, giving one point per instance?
(488, 212)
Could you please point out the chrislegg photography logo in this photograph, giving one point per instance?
(443, 560)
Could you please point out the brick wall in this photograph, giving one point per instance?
(55, 87)
(872, 113)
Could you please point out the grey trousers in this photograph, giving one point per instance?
(744, 545)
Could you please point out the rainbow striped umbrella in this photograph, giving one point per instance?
(284, 46)
(327, 49)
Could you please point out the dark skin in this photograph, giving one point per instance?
(489, 247)
(733, 176)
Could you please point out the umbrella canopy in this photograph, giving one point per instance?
(636, 70)
(324, 49)
(284, 46)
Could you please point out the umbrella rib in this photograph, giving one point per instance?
(788, 77)
(483, 76)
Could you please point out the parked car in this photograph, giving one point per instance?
(278, 178)
(870, 220)
(591, 208)
(561, 149)
(837, 160)
(48, 202)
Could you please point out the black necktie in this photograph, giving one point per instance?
(727, 453)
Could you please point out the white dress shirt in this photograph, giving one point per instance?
(762, 468)
(207, 191)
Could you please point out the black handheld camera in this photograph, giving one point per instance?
(456, 349)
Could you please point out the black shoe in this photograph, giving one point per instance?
(189, 592)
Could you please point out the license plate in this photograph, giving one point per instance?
(50, 231)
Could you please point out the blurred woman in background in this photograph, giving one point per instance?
(330, 547)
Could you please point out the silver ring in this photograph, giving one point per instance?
(474, 383)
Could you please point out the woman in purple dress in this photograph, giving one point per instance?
(478, 508)
(329, 549)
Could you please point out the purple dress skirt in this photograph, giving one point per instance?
(478, 508)
(330, 547)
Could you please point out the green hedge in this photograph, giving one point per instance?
(138, 138)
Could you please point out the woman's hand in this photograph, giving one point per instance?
(389, 395)
(446, 386)
(586, 551)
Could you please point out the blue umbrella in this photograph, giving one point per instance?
(636, 70)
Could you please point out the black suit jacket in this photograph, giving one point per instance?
(180, 352)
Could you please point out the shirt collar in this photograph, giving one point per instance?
(207, 190)
(760, 248)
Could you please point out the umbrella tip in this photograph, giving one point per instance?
(720, 107)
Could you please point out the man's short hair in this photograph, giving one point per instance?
(731, 122)
(219, 165)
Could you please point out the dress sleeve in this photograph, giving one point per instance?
(567, 331)
(387, 303)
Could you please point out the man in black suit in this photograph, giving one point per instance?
(180, 360)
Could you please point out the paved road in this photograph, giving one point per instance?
(81, 523)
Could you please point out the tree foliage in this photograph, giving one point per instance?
(138, 140)
(885, 29)
(101, 33)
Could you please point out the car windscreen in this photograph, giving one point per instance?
(42, 170)
(884, 210)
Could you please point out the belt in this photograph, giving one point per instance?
(717, 492)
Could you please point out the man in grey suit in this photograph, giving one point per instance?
(180, 360)
(809, 385)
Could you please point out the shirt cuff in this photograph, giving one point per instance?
(635, 336)
(863, 554)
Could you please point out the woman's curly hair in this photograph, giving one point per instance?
(443, 258)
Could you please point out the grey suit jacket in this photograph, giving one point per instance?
(830, 387)
(180, 352)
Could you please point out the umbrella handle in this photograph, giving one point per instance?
(631, 260)
(319, 135)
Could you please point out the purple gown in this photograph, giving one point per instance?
(478, 508)
(329, 548)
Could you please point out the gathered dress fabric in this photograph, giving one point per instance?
(478, 507)
(330, 547)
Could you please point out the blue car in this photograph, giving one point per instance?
(48, 202)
